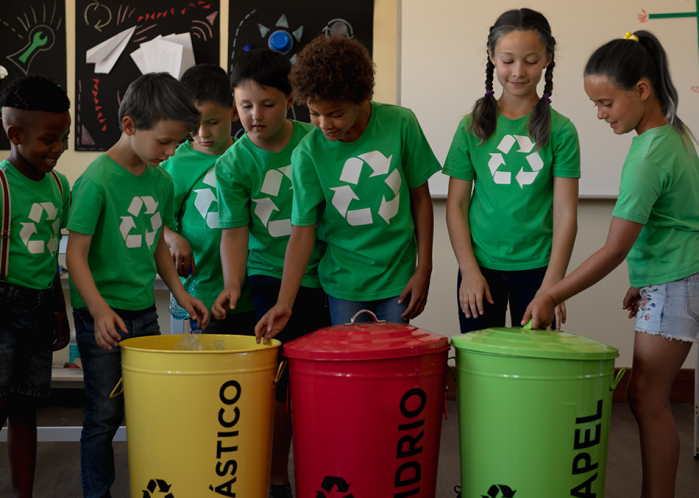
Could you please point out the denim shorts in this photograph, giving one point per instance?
(26, 340)
(671, 310)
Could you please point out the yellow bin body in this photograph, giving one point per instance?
(199, 423)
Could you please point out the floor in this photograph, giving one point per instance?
(58, 464)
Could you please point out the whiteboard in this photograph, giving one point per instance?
(443, 56)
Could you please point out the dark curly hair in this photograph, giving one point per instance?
(333, 69)
(35, 93)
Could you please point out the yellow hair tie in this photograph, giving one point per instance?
(630, 36)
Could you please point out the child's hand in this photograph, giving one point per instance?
(62, 335)
(196, 309)
(473, 288)
(631, 301)
(560, 312)
(106, 324)
(417, 288)
(183, 257)
(541, 311)
(272, 323)
(226, 300)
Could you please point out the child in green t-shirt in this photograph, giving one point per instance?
(115, 248)
(254, 181)
(514, 165)
(34, 323)
(361, 178)
(195, 237)
(655, 226)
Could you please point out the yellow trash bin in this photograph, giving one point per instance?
(199, 423)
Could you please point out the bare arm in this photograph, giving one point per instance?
(622, 235)
(234, 258)
(181, 252)
(298, 252)
(419, 284)
(473, 286)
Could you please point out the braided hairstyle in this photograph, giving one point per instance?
(485, 112)
(625, 62)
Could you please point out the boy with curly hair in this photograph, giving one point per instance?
(37, 122)
(361, 176)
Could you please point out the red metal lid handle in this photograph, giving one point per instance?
(354, 318)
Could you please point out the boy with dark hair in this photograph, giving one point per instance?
(34, 204)
(254, 179)
(115, 247)
(195, 237)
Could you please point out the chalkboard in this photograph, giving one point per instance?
(443, 61)
(97, 96)
(32, 41)
(290, 25)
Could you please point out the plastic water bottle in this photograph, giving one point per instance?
(177, 311)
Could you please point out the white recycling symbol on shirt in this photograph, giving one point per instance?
(523, 177)
(29, 229)
(128, 223)
(265, 206)
(205, 198)
(351, 172)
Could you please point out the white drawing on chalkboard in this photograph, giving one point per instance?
(100, 23)
(282, 22)
(200, 30)
(235, 36)
(41, 38)
(339, 27)
(523, 177)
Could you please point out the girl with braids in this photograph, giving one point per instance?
(514, 236)
(655, 226)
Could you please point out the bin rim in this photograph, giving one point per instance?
(129, 345)
(544, 344)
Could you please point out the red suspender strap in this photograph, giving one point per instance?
(58, 184)
(5, 227)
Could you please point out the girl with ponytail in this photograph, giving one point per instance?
(655, 226)
(521, 159)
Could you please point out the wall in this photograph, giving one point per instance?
(596, 313)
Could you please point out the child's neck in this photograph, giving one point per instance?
(204, 150)
(279, 141)
(360, 124)
(123, 154)
(653, 117)
(512, 107)
(24, 167)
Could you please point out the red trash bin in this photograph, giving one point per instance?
(367, 402)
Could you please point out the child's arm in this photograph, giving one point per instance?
(473, 285)
(234, 258)
(181, 252)
(62, 338)
(622, 235)
(298, 253)
(166, 270)
(419, 284)
(565, 228)
(106, 320)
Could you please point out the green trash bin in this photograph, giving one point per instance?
(534, 409)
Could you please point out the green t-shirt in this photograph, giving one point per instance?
(196, 219)
(659, 186)
(37, 215)
(255, 188)
(124, 214)
(359, 193)
(511, 212)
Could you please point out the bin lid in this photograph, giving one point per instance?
(517, 341)
(356, 341)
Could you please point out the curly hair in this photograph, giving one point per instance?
(35, 93)
(333, 69)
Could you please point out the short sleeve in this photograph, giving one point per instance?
(66, 202)
(566, 151)
(308, 191)
(642, 183)
(178, 195)
(87, 207)
(168, 209)
(233, 194)
(458, 163)
(420, 162)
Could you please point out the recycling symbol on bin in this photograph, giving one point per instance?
(495, 490)
(351, 171)
(329, 483)
(265, 206)
(525, 147)
(128, 223)
(162, 488)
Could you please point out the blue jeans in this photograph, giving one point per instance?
(388, 309)
(517, 288)
(103, 415)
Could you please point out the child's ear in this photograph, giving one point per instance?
(14, 134)
(643, 89)
(128, 125)
(234, 114)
